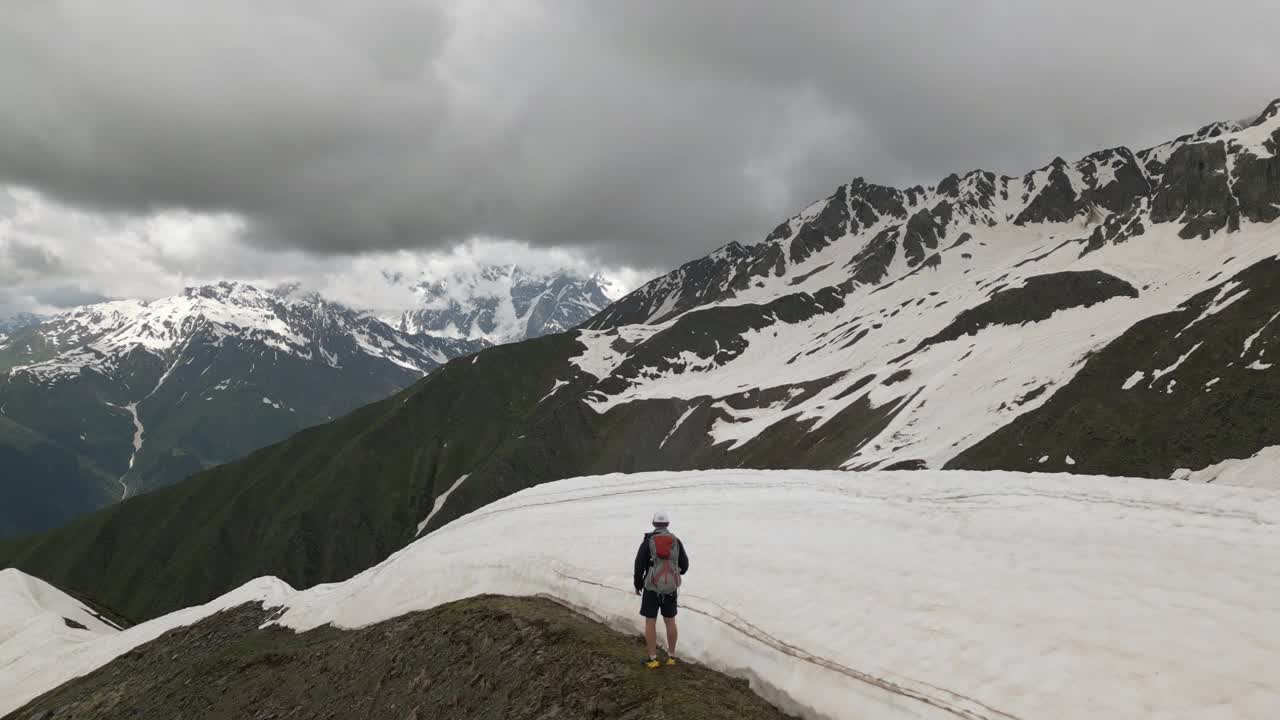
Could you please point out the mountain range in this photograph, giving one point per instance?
(19, 321)
(111, 400)
(1113, 315)
(115, 399)
(499, 303)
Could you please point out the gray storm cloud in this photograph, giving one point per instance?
(643, 133)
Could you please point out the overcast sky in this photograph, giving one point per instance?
(148, 144)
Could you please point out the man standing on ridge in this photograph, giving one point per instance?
(660, 562)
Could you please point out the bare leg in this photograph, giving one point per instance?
(651, 635)
(672, 636)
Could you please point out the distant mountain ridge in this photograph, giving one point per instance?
(501, 303)
(113, 399)
(19, 321)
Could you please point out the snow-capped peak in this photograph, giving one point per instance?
(499, 303)
(98, 336)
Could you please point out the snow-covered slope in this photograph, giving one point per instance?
(38, 621)
(147, 392)
(938, 316)
(915, 595)
(500, 303)
(25, 601)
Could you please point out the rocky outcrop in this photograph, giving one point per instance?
(1194, 191)
(1054, 200)
(831, 223)
(1125, 183)
(1255, 181)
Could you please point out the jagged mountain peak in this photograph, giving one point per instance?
(1270, 112)
(855, 234)
(500, 303)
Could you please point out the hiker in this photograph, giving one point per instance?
(660, 562)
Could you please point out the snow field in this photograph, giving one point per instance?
(852, 595)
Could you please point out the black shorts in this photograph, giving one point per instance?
(651, 602)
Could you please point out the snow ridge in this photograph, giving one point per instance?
(906, 597)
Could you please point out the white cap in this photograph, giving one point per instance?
(661, 518)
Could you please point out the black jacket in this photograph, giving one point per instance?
(643, 560)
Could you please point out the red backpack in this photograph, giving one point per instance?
(664, 563)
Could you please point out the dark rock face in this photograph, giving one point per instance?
(924, 230)
(830, 224)
(873, 202)
(950, 186)
(1039, 298)
(871, 265)
(1194, 192)
(1272, 110)
(1115, 229)
(1129, 185)
(486, 658)
(1255, 183)
(1056, 201)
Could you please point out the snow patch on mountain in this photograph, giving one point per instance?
(905, 596)
(440, 501)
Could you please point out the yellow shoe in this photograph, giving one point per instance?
(653, 664)
(670, 660)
